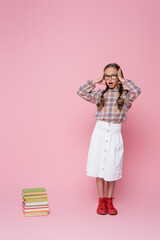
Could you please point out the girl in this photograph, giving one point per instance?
(105, 155)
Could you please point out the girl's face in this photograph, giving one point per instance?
(112, 81)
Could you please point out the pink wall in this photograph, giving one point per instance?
(48, 49)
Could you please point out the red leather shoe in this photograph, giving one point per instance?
(101, 209)
(109, 205)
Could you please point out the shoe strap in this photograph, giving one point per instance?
(110, 198)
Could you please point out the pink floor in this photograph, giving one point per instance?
(75, 217)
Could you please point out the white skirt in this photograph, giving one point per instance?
(105, 155)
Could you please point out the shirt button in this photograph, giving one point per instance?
(105, 150)
(109, 124)
(104, 159)
(108, 130)
(106, 140)
(102, 168)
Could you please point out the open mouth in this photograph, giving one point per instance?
(110, 83)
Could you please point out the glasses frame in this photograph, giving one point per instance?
(113, 76)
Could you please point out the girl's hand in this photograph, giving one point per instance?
(121, 79)
(99, 81)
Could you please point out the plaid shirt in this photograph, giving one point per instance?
(110, 111)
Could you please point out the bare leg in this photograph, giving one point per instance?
(110, 188)
(100, 186)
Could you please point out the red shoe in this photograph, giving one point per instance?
(101, 209)
(111, 209)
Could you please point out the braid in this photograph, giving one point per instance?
(100, 105)
(120, 101)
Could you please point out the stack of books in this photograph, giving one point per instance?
(35, 202)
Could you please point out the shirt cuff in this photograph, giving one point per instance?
(125, 81)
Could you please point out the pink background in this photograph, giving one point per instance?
(48, 50)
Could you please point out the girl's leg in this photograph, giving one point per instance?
(110, 208)
(110, 188)
(101, 209)
(100, 186)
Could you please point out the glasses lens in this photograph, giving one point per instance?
(114, 76)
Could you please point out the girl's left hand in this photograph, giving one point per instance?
(121, 79)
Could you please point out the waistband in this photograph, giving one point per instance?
(108, 125)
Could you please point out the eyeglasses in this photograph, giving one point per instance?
(108, 76)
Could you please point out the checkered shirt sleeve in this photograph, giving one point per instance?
(133, 91)
(87, 92)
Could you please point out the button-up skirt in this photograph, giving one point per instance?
(105, 155)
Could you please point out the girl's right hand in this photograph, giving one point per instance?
(99, 81)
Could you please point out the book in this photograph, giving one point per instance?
(34, 206)
(30, 214)
(36, 210)
(26, 190)
(34, 196)
(36, 200)
(35, 203)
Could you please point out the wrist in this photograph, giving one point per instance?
(123, 81)
(93, 82)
